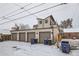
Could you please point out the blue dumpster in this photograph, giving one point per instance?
(46, 41)
(65, 46)
(34, 41)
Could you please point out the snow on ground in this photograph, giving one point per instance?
(15, 48)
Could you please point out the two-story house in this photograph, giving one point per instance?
(45, 29)
(45, 23)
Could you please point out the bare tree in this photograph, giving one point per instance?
(66, 23)
(22, 26)
(16, 27)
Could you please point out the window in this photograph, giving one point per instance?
(40, 22)
(46, 21)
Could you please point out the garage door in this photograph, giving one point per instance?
(30, 35)
(14, 36)
(22, 36)
(44, 35)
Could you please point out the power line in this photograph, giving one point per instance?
(14, 11)
(24, 11)
(27, 10)
(32, 13)
(22, 7)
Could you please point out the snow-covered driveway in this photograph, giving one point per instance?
(15, 48)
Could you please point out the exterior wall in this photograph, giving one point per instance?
(44, 25)
(37, 35)
(26, 36)
(47, 25)
(17, 36)
(56, 33)
(40, 25)
(70, 35)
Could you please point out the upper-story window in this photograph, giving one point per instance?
(46, 21)
(40, 22)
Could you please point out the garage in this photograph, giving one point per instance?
(44, 35)
(22, 36)
(30, 35)
(14, 36)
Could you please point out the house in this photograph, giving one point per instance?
(0, 36)
(46, 23)
(45, 29)
(70, 33)
(5, 36)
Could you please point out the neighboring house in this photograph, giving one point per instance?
(70, 33)
(5, 36)
(0, 36)
(45, 29)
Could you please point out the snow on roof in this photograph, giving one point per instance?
(71, 30)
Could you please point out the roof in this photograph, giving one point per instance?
(52, 18)
(31, 29)
(71, 30)
(46, 18)
(40, 19)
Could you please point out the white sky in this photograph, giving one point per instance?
(59, 13)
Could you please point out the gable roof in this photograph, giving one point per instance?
(52, 18)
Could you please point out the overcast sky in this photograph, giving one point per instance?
(59, 13)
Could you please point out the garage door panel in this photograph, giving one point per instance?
(30, 35)
(44, 35)
(22, 36)
(14, 36)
